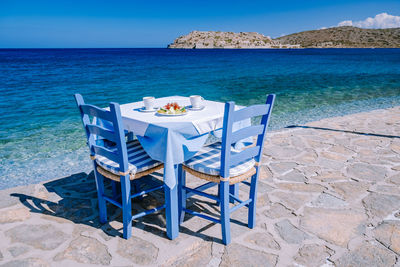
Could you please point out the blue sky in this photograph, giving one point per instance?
(118, 23)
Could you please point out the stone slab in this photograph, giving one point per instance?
(264, 240)
(381, 205)
(137, 250)
(313, 255)
(333, 225)
(86, 250)
(43, 236)
(388, 233)
(290, 233)
(368, 254)
(238, 255)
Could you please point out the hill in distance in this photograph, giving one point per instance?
(336, 37)
(345, 37)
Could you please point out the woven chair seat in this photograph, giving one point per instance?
(217, 179)
(207, 162)
(137, 175)
(138, 161)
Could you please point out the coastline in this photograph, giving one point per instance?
(332, 37)
(78, 161)
(277, 48)
(271, 133)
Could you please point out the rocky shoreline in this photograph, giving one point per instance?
(328, 195)
(335, 37)
(226, 40)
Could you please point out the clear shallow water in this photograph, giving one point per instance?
(41, 136)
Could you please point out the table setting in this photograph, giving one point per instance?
(172, 108)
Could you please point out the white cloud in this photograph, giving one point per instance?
(380, 21)
(346, 23)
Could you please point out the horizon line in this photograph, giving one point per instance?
(297, 48)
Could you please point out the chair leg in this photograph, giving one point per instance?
(181, 193)
(130, 136)
(171, 210)
(225, 216)
(114, 189)
(126, 206)
(219, 195)
(253, 203)
(100, 193)
(234, 190)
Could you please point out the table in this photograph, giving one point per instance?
(172, 140)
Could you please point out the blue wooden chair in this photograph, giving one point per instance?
(221, 165)
(121, 161)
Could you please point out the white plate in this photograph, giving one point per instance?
(143, 109)
(196, 109)
(171, 115)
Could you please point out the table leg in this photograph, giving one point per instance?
(171, 210)
(181, 194)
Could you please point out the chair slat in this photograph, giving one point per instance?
(106, 153)
(96, 112)
(249, 112)
(246, 132)
(244, 155)
(101, 131)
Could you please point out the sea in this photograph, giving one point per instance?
(41, 135)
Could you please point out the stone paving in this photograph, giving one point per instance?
(328, 196)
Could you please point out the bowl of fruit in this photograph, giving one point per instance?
(172, 109)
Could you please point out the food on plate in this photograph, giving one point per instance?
(172, 109)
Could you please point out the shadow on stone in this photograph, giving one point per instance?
(343, 131)
(74, 198)
(199, 227)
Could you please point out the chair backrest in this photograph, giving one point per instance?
(230, 137)
(92, 117)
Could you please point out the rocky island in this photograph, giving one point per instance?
(335, 37)
(211, 39)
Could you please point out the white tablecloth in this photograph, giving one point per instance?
(204, 121)
(173, 140)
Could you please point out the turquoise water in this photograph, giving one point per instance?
(41, 136)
